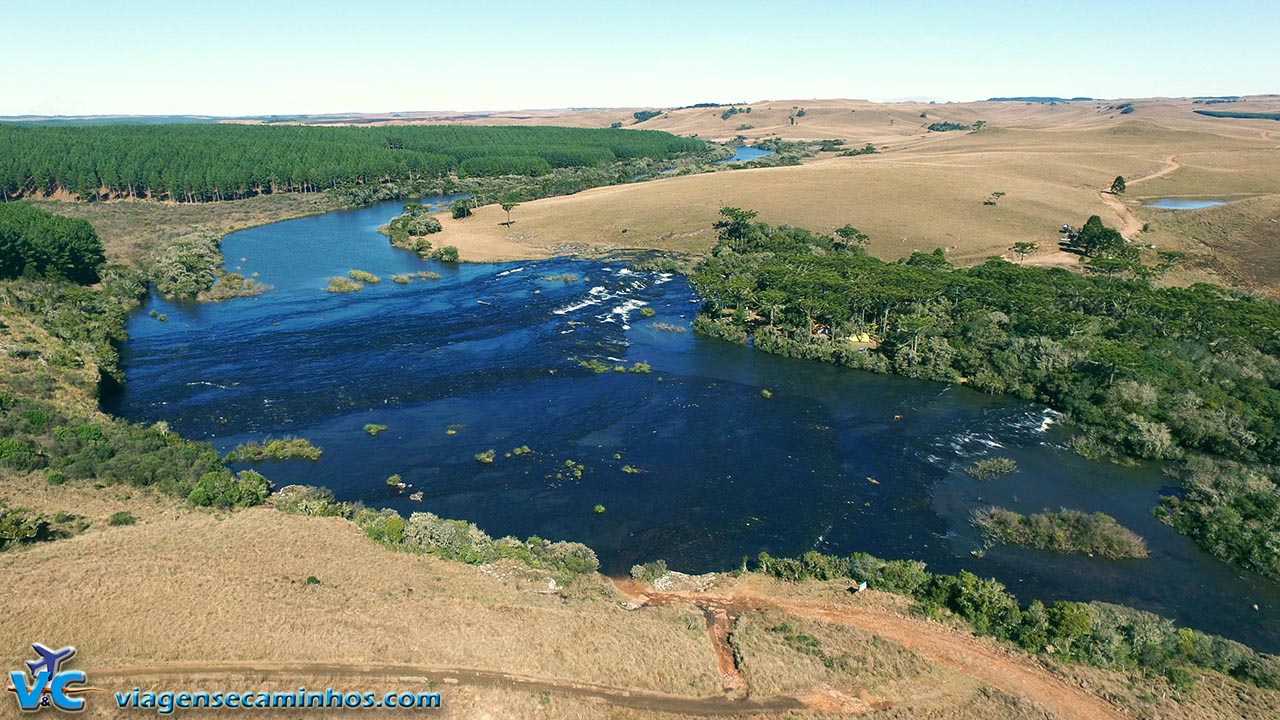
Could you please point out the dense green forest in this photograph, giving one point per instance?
(1142, 371)
(194, 163)
(39, 243)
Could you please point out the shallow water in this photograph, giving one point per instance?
(492, 351)
(744, 153)
(1184, 204)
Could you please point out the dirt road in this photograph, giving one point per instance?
(1130, 225)
(979, 659)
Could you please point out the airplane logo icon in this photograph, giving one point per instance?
(50, 660)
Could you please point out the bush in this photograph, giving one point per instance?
(221, 489)
(124, 517)
(285, 448)
(649, 571)
(460, 209)
(448, 254)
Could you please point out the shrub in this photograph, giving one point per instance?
(124, 517)
(460, 209)
(448, 254)
(649, 571)
(285, 448)
(308, 500)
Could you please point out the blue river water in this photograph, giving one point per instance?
(1184, 204)
(743, 153)
(487, 357)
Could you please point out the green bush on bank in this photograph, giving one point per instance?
(449, 539)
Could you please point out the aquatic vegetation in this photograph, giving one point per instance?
(641, 367)
(522, 450)
(595, 365)
(453, 429)
(397, 482)
(401, 279)
(364, 277)
(285, 448)
(668, 327)
(162, 318)
(648, 312)
(766, 393)
(565, 278)
(343, 285)
(992, 468)
(574, 468)
(233, 285)
(631, 470)
(1063, 531)
(427, 275)
(486, 456)
(374, 428)
(599, 509)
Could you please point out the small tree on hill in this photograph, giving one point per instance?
(849, 238)
(1117, 185)
(508, 205)
(1023, 249)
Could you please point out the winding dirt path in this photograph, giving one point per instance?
(621, 697)
(958, 652)
(1130, 225)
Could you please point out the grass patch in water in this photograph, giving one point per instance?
(401, 279)
(486, 456)
(427, 275)
(344, 285)
(648, 312)
(374, 428)
(364, 277)
(641, 367)
(668, 327)
(285, 448)
(565, 278)
(1066, 531)
(992, 468)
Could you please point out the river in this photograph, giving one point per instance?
(487, 357)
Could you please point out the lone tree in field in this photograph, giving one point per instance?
(508, 205)
(849, 238)
(1023, 249)
(1117, 185)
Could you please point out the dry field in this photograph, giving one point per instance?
(926, 190)
(188, 599)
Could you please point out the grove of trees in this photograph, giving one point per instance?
(211, 162)
(36, 242)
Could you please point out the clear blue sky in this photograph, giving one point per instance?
(232, 58)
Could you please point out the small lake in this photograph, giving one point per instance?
(492, 351)
(1183, 203)
(744, 153)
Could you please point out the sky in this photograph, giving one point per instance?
(255, 58)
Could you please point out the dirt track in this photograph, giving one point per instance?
(1130, 225)
(962, 653)
(974, 657)
(621, 697)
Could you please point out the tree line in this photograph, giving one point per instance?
(199, 162)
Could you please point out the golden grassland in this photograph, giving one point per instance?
(926, 190)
